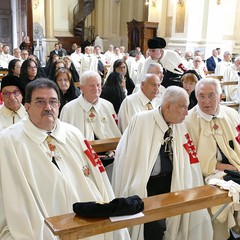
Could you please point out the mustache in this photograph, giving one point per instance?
(47, 112)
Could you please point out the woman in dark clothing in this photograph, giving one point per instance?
(69, 64)
(112, 89)
(188, 81)
(56, 65)
(29, 71)
(14, 67)
(68, 91)
(121, 67)
(41, 70)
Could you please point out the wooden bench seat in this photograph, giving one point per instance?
(104, 145)
(72, 227)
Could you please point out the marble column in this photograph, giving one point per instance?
(49, 40)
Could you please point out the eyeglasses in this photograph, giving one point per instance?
(210, 96)
(15, 93)
(32, 67)
(121, 67)
(42, 103)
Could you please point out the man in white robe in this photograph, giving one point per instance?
(231, 74)
(94, 116)
(215, 131)
(142, 100)
(137, 160)
(12, 110)
(33, 186)
(157, 69)
(169, 59)
(222, 66)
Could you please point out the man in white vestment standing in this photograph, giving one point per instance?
(155, 155)
(46, 166)
(12, 110)
(170, 60)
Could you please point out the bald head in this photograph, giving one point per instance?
(150, 85)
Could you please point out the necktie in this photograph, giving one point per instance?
(238, 74)
(166, 152)
(92, 114)
(149, 106)
(51, 148)
(13, 116)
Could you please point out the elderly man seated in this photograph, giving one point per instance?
(12, 109)
(215, 131)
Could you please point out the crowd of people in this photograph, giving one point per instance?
(165, 108)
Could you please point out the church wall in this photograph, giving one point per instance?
(193, 24)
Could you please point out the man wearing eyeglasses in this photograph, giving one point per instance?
(215, 131)
(46, 166)
(12, 109)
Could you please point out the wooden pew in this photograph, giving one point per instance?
(104, 145)
(72, 227)
(3, 73)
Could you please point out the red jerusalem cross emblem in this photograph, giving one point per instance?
(189, 147)
(238, 136)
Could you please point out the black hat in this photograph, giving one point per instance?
(156, 42)
(193, 72)
(11, 80)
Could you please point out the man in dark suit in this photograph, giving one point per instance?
(213, 60)
(56, 50)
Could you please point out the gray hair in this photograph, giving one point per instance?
(88, 74)
(147, 76)
(153, 65)
(173, 93)
(237, 58)
(206, 81)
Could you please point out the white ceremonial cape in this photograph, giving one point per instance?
(132, 104)
(170, 60)
(231, 91)
(204, 136)
(134, 160)
(104, 125)
(33, 188)
(7, 115)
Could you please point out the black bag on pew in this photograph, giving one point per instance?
(232, 175)
(117, 207)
